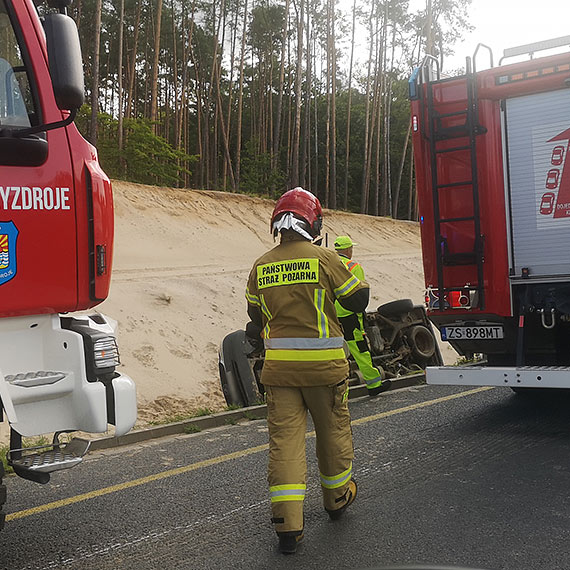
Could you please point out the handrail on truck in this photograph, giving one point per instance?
(474, 58)
(530, 49)
(413, 81)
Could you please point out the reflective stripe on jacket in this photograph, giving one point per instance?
(356, 269)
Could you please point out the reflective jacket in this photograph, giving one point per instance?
(291, 292)
(356, 269)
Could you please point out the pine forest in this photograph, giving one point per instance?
(258, 96)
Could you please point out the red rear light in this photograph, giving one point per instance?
(454, 299)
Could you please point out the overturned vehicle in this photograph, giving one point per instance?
(399, 336)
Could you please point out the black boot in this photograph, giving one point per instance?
(288, 541)
(386, 385)
(337, 513)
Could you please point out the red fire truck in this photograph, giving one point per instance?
(493, 179)
(57, 368)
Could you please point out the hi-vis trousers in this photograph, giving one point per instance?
(287, 421)
(353, 328)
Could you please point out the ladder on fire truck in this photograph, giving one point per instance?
(461, 127)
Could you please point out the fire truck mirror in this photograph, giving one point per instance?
(66, 66)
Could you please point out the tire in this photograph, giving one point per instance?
(236, 375)
(375, 340)
(230, 388)
(395, 308)
(422, 343)
(2, 497)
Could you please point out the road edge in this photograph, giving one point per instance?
(225, 418)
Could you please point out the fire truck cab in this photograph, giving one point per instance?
(490, 150)
(58, 369)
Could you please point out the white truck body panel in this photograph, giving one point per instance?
(43, 382)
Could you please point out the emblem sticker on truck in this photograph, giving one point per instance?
(552, 178)
(8, 237)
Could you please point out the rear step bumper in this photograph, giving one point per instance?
(37, 463)
(512, 377)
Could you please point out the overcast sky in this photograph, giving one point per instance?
(499, 24)
(508, 23)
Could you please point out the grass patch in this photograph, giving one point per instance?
(192, 429)
(250, 416)
(182, 417)
(170, 419)
(465, 360)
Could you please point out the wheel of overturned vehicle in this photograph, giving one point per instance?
(230, 388)
(422, 343)
(395, 308)
(375, 339)
(236, 375)
(2, 496)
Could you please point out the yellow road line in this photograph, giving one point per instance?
(420, 405)
(216, 460)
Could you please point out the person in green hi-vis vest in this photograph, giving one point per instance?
(353, 325)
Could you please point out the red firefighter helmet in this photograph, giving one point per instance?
(302, 203)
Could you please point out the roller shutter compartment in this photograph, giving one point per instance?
(538, 136)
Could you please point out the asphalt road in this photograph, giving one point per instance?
(478, 478)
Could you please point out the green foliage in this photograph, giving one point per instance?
(203, 412)
(468, 359)
(250, 416)
(201, 94)
(257, 176)
(149, 159)
(146, 158)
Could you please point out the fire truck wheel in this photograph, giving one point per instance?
(395, 308)
(422, 343)
(2, 496)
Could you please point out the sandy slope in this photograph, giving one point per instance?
(181, 263)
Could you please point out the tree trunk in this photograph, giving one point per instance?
(306, 138)
(240, 97)
(400, 172)
(365, 163)
(333, 108)
(411, 190)
(348, 112)
(328, 120)
(298, 97)
(277, 132)
(133, 62)
(120, 79)
(95, 74)
(155, 64)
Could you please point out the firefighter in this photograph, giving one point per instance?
(290, 293)
(352, 323)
